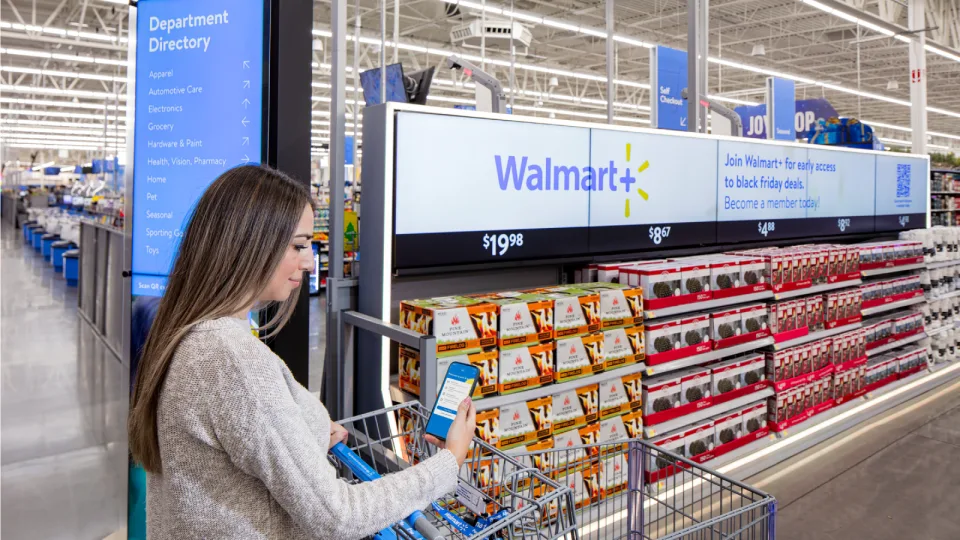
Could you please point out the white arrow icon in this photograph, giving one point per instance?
(244, 121)
(246, 141)
(683, 122)
(246, 84)
(245, 102)
(246, 64)
(245, 159)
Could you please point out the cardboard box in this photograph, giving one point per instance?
(571, 456)
(753, 271)
(674, 442)
(726, 324)
(695, 329)
(754, 417)
(459, 323)
(632, 384)
(522, 368)
(574, 409)
(575, 312)
(754, 317)
(661, 393)
(700, 438)
(779, 365)
(737, 373)
(694, 385)
(487, 360)
(695, 277)
(525, 422)
(613, 475)
(620, 305)
(585, 485)
(623, 346)
(524, 318)
(724, 273)
(728, 428)
(612, 431)
(814, 310)
(633, 421)
(663, 336)
(613, 398)
(661, 280)
(579, 356)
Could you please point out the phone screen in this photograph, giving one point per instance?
(457, 386)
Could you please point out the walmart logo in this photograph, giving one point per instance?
(521, 173)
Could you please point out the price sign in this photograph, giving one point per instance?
(498, 244)
(766, 227)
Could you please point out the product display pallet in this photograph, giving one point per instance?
(892, 269)
(707, 305)
(816, 336)
(707, 357)
(718, 409)
(896, 344)
(866, 312)
(817, 289)
(942, 264)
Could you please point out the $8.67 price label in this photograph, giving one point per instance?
(498, 244)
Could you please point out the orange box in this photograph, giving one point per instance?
(459, 323)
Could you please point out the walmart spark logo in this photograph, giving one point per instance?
(643, 194)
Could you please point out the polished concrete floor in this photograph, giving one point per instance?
(62, 409)
(896, 477)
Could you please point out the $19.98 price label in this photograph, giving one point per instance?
(498, 244)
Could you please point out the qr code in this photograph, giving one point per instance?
(903, 180)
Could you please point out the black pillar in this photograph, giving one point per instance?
(289, 42)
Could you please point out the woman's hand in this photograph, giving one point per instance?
(461, 431)
(338, 434)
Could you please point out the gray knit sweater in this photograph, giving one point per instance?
(244, 452)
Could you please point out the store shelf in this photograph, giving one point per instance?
(935, 211)
(556, 388)
(943, 264)
(400, 396)
(708, 356)
(954, 193)
(896, 344)
(949, 295)
(709, 304)
(815, 336)
(765, 453)
(686, 420)
(892, 270)
(817, 289)
(934, 331)
(892, 305)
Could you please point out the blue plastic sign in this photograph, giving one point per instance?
(669, 78)
(754, 117)
(199, 95)
(349, 149)
(781, 109)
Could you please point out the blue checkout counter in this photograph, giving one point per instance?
(55, 251)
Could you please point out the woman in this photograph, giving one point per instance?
(233, 446)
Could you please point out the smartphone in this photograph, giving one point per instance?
(458, 385)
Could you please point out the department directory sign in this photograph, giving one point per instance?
(475, 190)
(199, 103)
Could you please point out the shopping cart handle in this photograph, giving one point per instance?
(365, 472)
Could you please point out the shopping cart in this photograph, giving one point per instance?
(633, 489)
(517, 500)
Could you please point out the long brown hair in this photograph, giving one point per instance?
(239, 232)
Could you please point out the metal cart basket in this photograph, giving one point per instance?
(636, 490)
(537, 507)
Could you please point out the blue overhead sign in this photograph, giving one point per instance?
(781, 109)
(199, 96)
(668, 69)
(754, 117)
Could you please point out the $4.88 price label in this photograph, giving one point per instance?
(498, 244)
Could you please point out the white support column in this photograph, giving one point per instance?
(918, 76)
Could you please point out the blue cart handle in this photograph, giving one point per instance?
(365, 472)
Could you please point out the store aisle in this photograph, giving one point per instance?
(64, 405)
(891, 478)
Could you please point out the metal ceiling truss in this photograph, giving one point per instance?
(797, 38)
